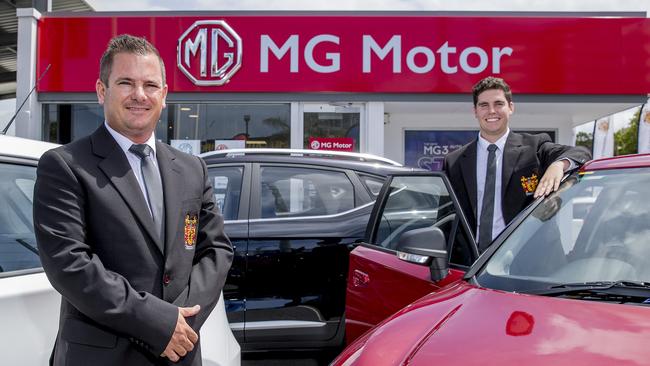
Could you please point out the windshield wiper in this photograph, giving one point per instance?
(598, 289)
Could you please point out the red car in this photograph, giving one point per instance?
(567, 282)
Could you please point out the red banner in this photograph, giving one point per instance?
(331, 143)
(365, 54)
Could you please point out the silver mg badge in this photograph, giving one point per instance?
(209, 52)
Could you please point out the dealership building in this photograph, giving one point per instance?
(393, 84)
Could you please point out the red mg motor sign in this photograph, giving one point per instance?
(351, 53)
(209, 52)
(331, 143)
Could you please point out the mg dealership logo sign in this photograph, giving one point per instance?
(209, 53)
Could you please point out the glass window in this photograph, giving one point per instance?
(17, 242)
(414, 202)
(85, 119)
(373, 184)
(226, 183)
(298, 192)
(248, 125)
(594, 228)
(342, 122)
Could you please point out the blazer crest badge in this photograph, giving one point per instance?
(529, 183)
(190, 230)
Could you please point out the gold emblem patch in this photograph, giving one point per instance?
(190, 231)
(529, 183)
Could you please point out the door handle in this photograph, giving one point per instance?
(360, 279)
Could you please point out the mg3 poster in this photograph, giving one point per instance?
(427, 149)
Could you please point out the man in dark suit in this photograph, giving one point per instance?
(127, 228)
(501, 172)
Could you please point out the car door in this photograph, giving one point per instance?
(231, 185)
(379, 282)
(308, 217)
(29, 316)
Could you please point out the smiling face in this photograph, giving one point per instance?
(493, 112)
(135, 95)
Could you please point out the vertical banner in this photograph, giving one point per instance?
(427, 149)
(644, 129)
(603, 138)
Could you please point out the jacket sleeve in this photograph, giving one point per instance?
(77, 273)
(549, 152)
(212, 258)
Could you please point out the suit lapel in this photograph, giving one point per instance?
(172, 180)
(511, 153)
(468, 168)
(119, 172)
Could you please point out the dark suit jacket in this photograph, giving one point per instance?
(524, 155)
(100, 250)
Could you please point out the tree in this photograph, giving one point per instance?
(626, 139)
(585, 139)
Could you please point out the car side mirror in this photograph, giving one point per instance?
(425, 246)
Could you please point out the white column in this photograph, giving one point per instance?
(28, 122)
(297, 126)
(372, 129)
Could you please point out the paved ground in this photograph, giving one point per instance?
(288, 359)
(281, 362)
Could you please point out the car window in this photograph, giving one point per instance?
(301, 192)
(594, 228)
(373, 184)
(17, 242)
(414, 202)
(227, 183)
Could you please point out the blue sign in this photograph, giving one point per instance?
(427, 149)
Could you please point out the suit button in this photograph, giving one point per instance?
(167, 279)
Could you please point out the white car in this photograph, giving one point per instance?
(29, 306)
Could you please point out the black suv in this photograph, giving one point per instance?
(293, 217)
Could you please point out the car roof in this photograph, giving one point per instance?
(618, 162)
(23, 148)
(344, 155)
(360, 162)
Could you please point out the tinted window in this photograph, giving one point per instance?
(594, 228)
(413, 203)
(17, 242)
(298, 192)
(226, 182)
(373, 184)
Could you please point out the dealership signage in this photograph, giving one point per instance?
(331, 143)
(366, 54)
(216, 39)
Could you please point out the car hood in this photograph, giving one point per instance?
(467, 325)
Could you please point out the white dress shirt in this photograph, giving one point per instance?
(134, 160)
(498, 223)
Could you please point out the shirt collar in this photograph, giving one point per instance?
(501, 142)
(125, 143)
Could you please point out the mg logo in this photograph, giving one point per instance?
(209, 52)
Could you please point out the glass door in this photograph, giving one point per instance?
(334, 126)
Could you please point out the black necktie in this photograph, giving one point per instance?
(487, 208)
(152, 185)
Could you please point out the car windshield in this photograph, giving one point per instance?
(17, 242)
(595, 229)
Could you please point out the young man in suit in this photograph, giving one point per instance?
(499, 173)
(127, 228)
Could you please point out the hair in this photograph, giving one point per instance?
(126, 43)
(488, 83)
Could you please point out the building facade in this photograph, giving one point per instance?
(393, 84)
